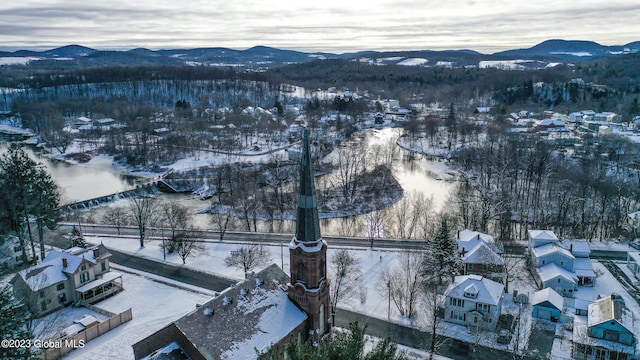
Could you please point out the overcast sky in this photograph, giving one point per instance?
(326, 25)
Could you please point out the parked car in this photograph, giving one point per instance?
(504, 336)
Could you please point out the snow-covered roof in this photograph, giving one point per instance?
(489, 291)
(610, 308)
(551, 122)
(43, 275)
(482, 254)
(581, 304)
(577, 248)
(551, 271)
(468, 235)
(584, 268)
(52, 270)
(549, 249)
(547, 295)
(263, 316)
(542, 235)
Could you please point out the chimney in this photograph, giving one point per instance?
(458, 235)
(478, 236)
(96, 252)
(64, 262)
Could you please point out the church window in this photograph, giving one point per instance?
(300, 272)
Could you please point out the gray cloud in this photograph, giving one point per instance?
(485, 25)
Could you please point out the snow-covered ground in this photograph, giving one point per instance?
(154, 305)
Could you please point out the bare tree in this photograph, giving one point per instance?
(176, 216)
(248, 257)
(116, 216)
(403, 283)
(142, 210)
(221, 216)
(185, 242)
(346, 272)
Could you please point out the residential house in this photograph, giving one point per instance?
(561, 266)
(11, 253)
(633, 263)
(606, 116)
(540, 237)
(547, 304)
(480, 255)
(474, 301)
(582, 267)
(65, 277)
(609, 332)
(633, 220)
(558, 278)
(581, 307)
(551, 125)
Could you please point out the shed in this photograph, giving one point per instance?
(547, 304)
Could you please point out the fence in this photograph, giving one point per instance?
(61, 347)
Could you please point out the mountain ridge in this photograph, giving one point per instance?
(552, 50)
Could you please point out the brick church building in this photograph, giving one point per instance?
(269, 308)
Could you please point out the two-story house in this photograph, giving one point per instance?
(561, 266)
(65, 277)
(480, 255)
(609, 333)
(474, 301)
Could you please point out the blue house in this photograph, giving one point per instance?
(609, 332)
(547, 304)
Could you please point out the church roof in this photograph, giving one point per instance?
(252, 315)
(307, 221)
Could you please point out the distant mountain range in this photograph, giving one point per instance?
(544, 54)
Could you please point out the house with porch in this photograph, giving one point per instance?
(66, 277)
(609, 332)
(474, 301)
(560, 265)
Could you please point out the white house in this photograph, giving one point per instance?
(65, 277)
(474, 301)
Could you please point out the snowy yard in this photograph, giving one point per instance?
(154, 305)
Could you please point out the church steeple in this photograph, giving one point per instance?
(309, 287)
(307, 223)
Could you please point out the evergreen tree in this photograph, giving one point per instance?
(452, 127)
(442, 259)
(26, 190)
(348, 344)
(14, 325)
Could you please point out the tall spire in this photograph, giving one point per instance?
(307, 223)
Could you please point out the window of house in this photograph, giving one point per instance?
(84, 277)
(558, 281)
(42, 294)
(483, 308)
(458, 315)
(60, 287)
(103, 266)
(83, 267)
(544, 262)
(62, 298)
(561, 263)
(43, 306)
